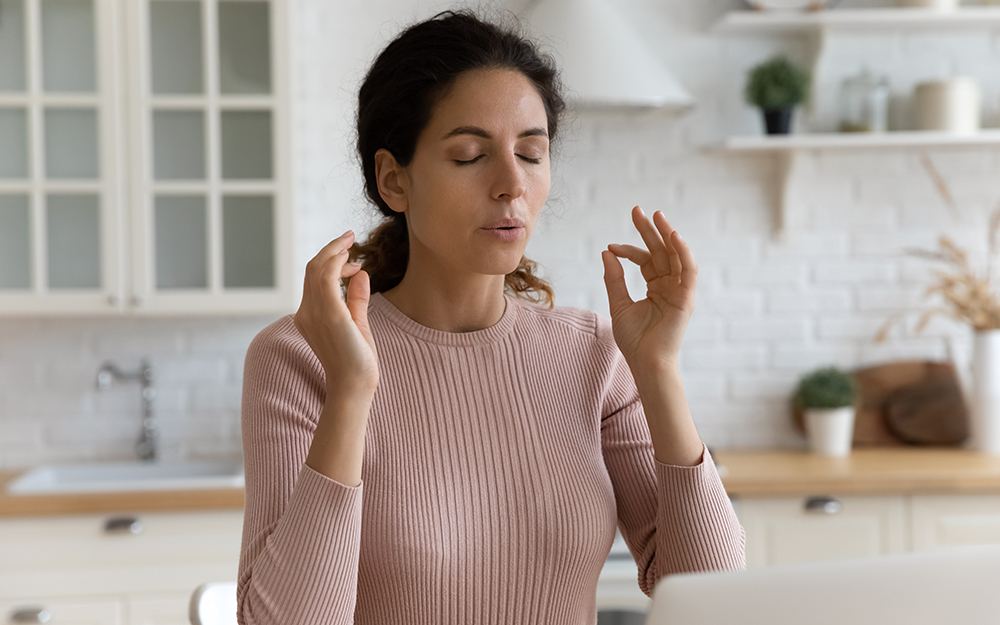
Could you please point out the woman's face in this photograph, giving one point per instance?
(483, 158)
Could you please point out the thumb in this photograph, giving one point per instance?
(357, 296)
(614, 282)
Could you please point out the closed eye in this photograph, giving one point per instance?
(533, 161)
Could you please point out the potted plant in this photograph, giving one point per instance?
(776, 87)
(827, 397)
(971, 297)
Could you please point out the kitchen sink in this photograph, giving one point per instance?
(128, 476)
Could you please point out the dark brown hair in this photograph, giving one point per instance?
(395, 104)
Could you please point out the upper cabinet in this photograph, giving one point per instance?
(144, 157)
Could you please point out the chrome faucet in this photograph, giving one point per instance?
(145, 447)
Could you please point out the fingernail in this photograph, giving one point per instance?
(679, 235)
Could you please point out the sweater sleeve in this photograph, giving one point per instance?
(301, 530)
(674, 519)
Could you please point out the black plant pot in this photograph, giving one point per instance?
(778, 121)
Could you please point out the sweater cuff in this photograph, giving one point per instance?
(308, 571)
(700, 530)
(705, 458)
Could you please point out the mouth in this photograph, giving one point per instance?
(507, 223)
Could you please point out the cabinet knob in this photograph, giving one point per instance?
(122, 525)
(138, 301)
(823, 505)
(30, 614)
(114, 300)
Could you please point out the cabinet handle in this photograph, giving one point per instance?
(122, 525)
(823, 505)
(138, 301)
(114, 300)
(30, 615)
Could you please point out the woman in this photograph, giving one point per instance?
(432, 446)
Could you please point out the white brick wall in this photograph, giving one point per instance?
(767, 311)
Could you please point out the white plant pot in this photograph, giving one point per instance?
(986, 392)
(830, 431)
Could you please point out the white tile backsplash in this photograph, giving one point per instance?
(766, 311)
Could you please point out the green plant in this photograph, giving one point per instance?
(826, 388)
(777, 84)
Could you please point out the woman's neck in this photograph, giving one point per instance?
(450, 307)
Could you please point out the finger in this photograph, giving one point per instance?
(335, 247)
(653, 242)
(350, 269)
(614, 282)
(330, 273)
(666, 233)
(637, 255)
(690, 271)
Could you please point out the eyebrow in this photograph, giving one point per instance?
(479, 132)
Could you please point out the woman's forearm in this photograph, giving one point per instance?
(675, 439)
(338, 445)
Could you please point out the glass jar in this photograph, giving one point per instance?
(864, 103)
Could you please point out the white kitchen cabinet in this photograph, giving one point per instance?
(158, 610)
(781, 530)
(955, 520)
(144, 157)
(146, 564)
(56, 611)
(784, 530)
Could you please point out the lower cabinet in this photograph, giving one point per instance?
(800, 529)
(126, 569)
(59, 611)
(954, 520)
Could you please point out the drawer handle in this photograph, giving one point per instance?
(122, 525)
(823, 505)
(30, 615)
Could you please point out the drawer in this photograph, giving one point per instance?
(75, 555)
(159, 609)
(955, 520)
(800, 529)
(61, 611)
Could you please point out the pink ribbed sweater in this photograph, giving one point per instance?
(497, 466)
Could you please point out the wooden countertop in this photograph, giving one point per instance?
(745, 473)
(869, 471)
(97, 503)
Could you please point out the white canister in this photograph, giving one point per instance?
(940, 5)
(986, 392)
(830, 431)
(951, 105)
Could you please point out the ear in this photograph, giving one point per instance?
(392, 181)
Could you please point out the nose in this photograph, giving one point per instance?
(509, 183)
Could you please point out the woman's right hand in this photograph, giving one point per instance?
(335, 325)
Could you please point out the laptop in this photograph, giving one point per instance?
(945, 586)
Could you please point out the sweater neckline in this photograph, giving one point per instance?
(492, 334)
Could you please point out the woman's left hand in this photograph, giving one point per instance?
(649, 332)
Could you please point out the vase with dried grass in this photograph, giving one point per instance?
(972, 298)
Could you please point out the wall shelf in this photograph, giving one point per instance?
(749, 22)
(870, 140)
(789, 150)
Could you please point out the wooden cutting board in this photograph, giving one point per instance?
(907, 402)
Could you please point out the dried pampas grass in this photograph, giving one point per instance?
(967, 296)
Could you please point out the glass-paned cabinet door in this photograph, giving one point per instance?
(212, 219)
(60, 216)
